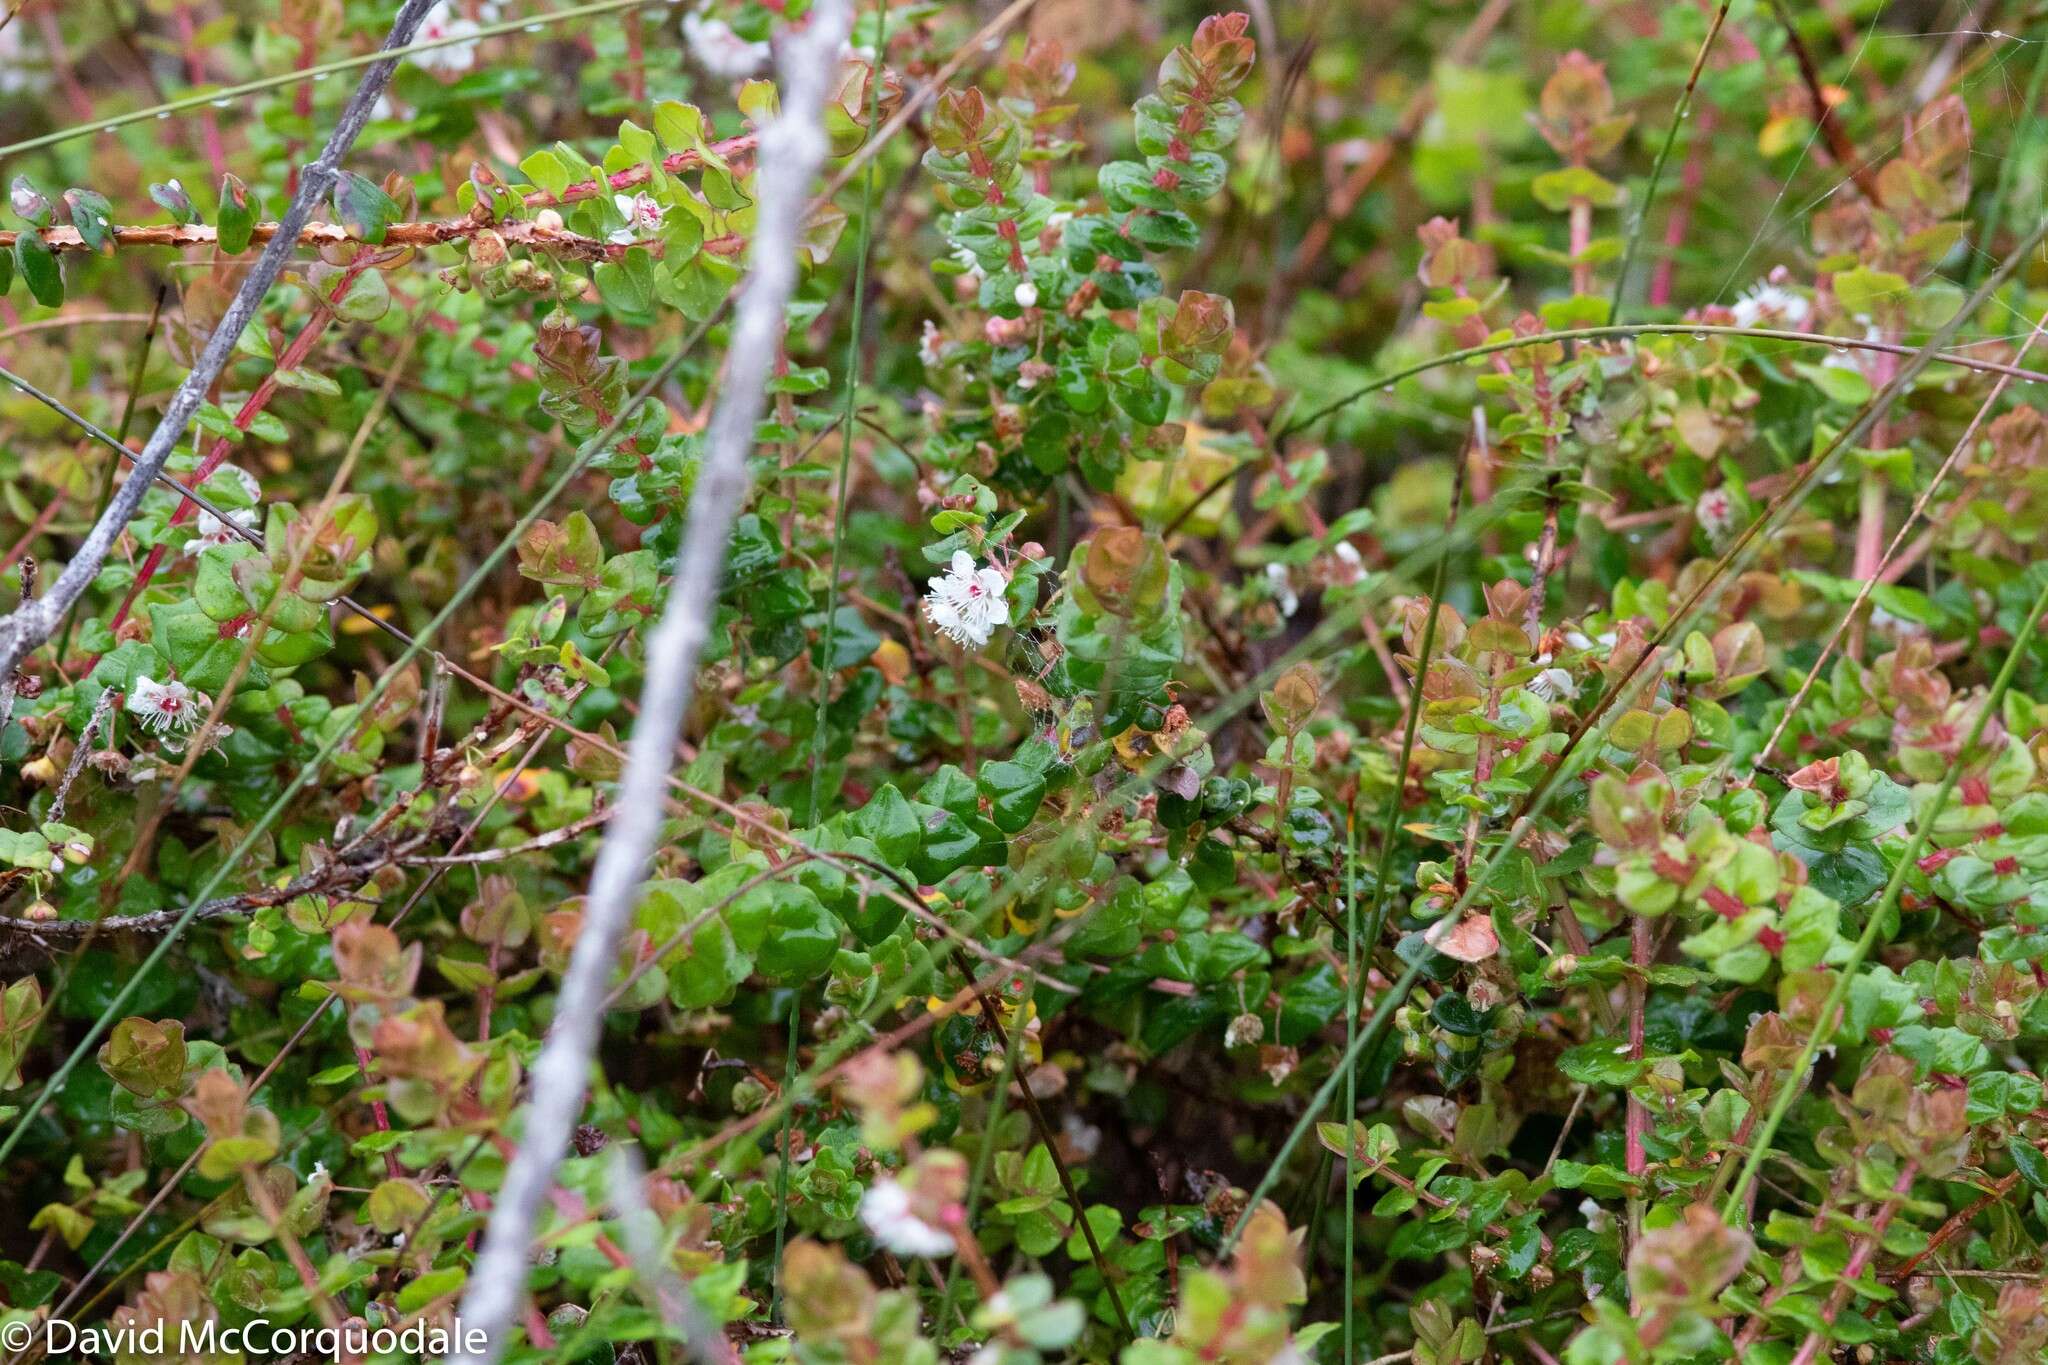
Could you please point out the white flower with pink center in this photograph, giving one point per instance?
(966, 603)
(932, 344)
(643, 214)
(1715, 512)
(213, 533)
(166, 708)
(1768, 304)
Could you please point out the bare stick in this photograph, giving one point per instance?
(34, 622)
(434, 232)
(792, 149)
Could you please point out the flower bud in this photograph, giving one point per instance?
(487, 249)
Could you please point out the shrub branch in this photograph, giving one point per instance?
(793, 147)
(34, 622)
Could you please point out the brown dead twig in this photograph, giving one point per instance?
(333, 875)
(435, 232)
(517, 232)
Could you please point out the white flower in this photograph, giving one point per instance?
(1350, 566)
(1553, 683)
(967, 603)
(721, 51)
(23, 198)
(1244, 1031)
(443, 22)
(1283, 590)
(643, 214)
(885, 1208)
(1027, 295)
(1715, 512)
(166, 708)
(213, 532)
(931, 345)
(969, 262)
(1766, 302)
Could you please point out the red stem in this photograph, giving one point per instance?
(1638, 1113)
(195, 67)
(381, 1115)
(1866, 1247)
(294, 355)
(1681, 211)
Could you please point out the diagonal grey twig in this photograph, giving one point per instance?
(26, 628)
(34, 622)
(793, 147)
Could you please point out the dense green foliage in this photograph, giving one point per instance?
(1378, 691)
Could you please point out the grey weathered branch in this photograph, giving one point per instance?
(34, 622)
(792, 148)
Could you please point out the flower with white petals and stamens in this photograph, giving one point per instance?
(214, 533)
(166, 708)
(721, 51)
(643, 214)
(885, 1209)
(443, 22)
(1715, 512)
(967, 603)
(1765, 304)
(1553, 683)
